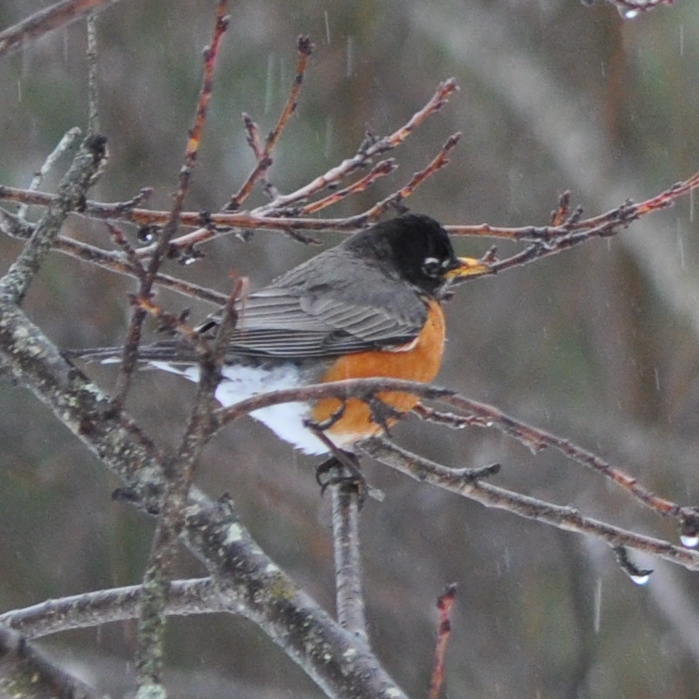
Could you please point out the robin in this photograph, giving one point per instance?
(369, 307)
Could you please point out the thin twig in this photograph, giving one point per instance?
(381, 169)
(537, 439)
(304, 48)
(565, 518)
(71, 195)
(437, 163)
(69, 138)
(59, 15)
(444, 606)
(372, 148)
(116, 263)
(150, 652)
(603, 224)
(477, 414)
(92, 81)
(264, 156)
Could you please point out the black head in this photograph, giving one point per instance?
(413, 247)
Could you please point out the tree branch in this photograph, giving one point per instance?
(71, 195)
(26, 673)
(348, 576)
(463, 482)
(59, 15)
(198, 596)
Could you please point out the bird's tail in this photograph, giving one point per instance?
(104, 355)
(160, 351)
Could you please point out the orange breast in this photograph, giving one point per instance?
(419, 361)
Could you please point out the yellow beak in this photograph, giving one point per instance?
(468, 266)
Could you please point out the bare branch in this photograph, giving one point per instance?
(333, 658)
(199, 596)
(71, 195)
(92, 101)
(482, 415)
(152, 618)
(381, 169)
(69, 138)
(59, 15)
(444, 605)
(437, 163)
(348, 576)
(566, 518)
(372, 148)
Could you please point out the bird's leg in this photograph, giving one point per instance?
(342, 468)
(383, 414)
(327, 423)
(345, 464)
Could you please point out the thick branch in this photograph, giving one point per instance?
(348, 575)
(199, 596)
(339, 663)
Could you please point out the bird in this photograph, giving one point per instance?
(370, 307)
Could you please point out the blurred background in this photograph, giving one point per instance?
(600, 344)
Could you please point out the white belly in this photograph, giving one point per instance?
(285, 419)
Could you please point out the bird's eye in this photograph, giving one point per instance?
(432, 267)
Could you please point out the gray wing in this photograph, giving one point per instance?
(312, 311)
(274, 322)
(318, 309)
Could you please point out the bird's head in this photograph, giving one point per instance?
(416, 248)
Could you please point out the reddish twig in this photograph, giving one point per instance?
(606, 224)
(445, 602)
(552, 240)
(263, 155)
(535, 440)
(305, 50)
(253, 138)
(263, 164)
(603, 224)
(371, 148)
(561, 213)
(462, 482)
(381, 169)
(436, 102)
(477, 414)
(152, 618)
(59, 15)
(437, 163)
